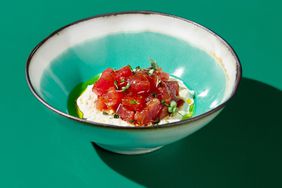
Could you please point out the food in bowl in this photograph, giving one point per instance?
(135, 97)
(185, 49)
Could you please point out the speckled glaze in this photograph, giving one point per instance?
(187, 50)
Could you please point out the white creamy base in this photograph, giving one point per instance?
(86, 104)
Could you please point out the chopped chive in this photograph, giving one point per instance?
(163, 102)
(154, 95)
(116, 84)
(116, 116)
(158, 81)
(131, 121)
(105, 113)
(125, 87)
(172, 107)
(172, 110)
(173, 103)
(133, 102)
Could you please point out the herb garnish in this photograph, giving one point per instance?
(116, 84)
(154, 64)
(163, 102)
(116, 116)
(150, 72)
(125, 87)
(131, 121)
(138, 68)
(172, 108)
(158, 81)
(130, 67)
(153, 67)
(133, 102)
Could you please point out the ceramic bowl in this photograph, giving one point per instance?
(185, 49)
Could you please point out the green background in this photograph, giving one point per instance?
(242, 147)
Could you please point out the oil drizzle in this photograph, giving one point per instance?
(75, 93)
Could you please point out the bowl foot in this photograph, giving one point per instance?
(128, 151)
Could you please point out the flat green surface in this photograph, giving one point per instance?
(240, 148)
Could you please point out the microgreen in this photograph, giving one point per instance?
(154, 64)
(138, 68)
(130, 67)
(153, 67)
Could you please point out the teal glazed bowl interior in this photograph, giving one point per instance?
(184, 49)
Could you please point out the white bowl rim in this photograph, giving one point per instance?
(168, 125)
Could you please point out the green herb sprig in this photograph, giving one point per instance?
(153, 68)
(154, 64)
